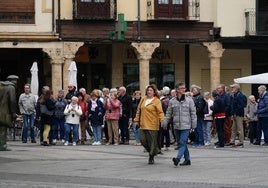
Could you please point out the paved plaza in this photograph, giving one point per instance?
(125, 166)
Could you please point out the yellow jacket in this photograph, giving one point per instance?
(150, 116)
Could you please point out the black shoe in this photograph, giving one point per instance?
(229, 144)
(176, 161)
(82, 142)
(216, 143)
(45, 144)
(151, 159)
(186, 163)
(33, 141)
(265, 144)
(239, 145)
(256, 143)
(24, 141)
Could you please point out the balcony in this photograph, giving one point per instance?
(173, 10)
(256, 23)
(94, 9)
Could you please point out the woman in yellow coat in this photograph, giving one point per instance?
(149, 117)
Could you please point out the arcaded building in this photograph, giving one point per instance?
(134, 42)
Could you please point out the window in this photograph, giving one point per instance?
(177, 2)
(17, 11)
(161, 74)
(163, 1)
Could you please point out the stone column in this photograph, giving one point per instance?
(144, 52)
(56, 60)
(69, 51)
(215, 53)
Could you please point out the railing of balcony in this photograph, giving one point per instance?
(94, 9)
(194, 9)
(250, 15)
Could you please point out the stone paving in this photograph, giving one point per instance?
(124, 166)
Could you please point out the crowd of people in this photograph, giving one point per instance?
(158, 119)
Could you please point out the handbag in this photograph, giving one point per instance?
(45, 111)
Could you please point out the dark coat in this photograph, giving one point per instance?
(263, 106)
(126, 102)
(96, 117)
(8, 103)
(238, 103)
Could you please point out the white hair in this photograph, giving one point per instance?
(165, 90)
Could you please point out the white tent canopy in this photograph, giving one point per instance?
(253, 79)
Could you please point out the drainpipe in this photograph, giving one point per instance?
(139, 21)
(59, 26)
(53, 17)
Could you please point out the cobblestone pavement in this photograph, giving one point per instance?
(125, 166)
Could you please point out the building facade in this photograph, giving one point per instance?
(134, 43)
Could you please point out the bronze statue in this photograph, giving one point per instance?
(8, 107)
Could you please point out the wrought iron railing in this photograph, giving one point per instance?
(194, 9)
(94, 10)
(256, 22)
(250, 15)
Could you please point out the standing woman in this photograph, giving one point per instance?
(149, 115)
(112, 115)
(95, 116)
(135, 103)
(47, 106)
(72, 114)
(83, 118)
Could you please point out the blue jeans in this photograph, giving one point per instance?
(182, 137)
(136, 134)
(252, 130)
(199, 137)
(123, 126)
(262, 126)
(68, 130)
(58, 124)
(207, 131)
(28, 120)
(97, 130)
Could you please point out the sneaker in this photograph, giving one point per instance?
(94, 143)
(115, 144)
(108, 143)
(66, 143)
(62, 140)
(54, 141)
(207, 144)
(74, 143)
(98, 143)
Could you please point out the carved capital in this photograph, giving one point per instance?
(70, 49)
(145, 50)
(214, 48)
(55, 54)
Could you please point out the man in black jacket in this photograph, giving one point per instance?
(126, 101)
(200, 105)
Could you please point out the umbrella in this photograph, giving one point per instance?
(73, 74)
(253, 79)
(34, 79)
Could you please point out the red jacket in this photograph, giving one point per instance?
(112, 107)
